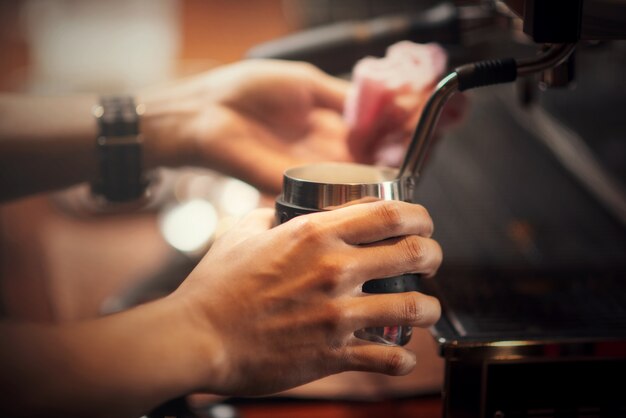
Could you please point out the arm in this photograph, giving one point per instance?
(114, 366)
(253, 318)
(251, 120)
(45, 143)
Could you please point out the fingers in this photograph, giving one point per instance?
(367, 241)
(379, 310)
(378, 358)
(409, 309)
(409, 254)
(329, 92)
(367, 223)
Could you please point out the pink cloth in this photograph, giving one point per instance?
(387, 97)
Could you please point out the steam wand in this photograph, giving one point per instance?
(468, 76)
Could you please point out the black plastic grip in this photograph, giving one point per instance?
(485, 73)
(287, 211)
(397, 284)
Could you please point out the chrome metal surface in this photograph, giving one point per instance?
(422, 138)
(416, 153)
(328, 185)
(554, 55)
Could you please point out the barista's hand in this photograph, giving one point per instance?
(251, 120)
(279, 306)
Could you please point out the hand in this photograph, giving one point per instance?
(387, 144)
(279, 306)
(251, 120)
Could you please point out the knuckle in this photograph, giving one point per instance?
(414, 250)
(413, 309)
(438, 253)
(437, 259)
(309, 229)
(429, 227)
(332, 273)
(436, 310)
(346, 358)
(349, 314)
(390, 212)
(394, 362)
(332, 318)
(430, 310)
(423, 210)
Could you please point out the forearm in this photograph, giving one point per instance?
(125, 364)
(45, 143)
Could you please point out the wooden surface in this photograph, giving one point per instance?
(428, 407)
(204, 406)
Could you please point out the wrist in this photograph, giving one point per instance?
(205, 349)
(157, 127)
(121, 173)
(47, 143)
(167, 129)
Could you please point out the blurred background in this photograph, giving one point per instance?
(505, 196)
(533, 180)
(68, 264)
(71, 266)
(64, 259)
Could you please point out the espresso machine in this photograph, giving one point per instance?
(531, 214)
(528, 197)
(550, 341)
